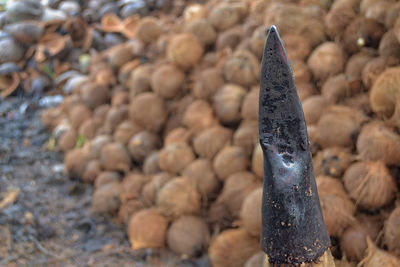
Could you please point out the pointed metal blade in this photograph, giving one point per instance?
(293, 230)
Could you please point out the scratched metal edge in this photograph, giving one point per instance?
(298, 236)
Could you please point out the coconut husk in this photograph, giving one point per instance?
(8, 84)
(250, 213)
(51, 45)
(111, 23)
(378, 257)
(129, 26)
(391, 232)
(229, 160)
(132, 186)
(106, 198)
(332, 161)
(151, 189)
(175, 157)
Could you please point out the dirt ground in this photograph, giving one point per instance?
(47, 221)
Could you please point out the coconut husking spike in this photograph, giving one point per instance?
(293, 230)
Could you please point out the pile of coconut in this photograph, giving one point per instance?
(165, 125)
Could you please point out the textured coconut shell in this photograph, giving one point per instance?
(175, 157)
(227, 103)
(249, 110)
(391, 232)
(210, 141)
(67, 141)
(95, 95)
(126, 70)
(208, 83)
(89, 127)
(230, 38)
(75, 162)
(188, 236)
(286, 17)
(129, 26)
(125, 130)
(78, 114)
(106, 178)
(127, 209)
(92, 170)
(313, 107)
(355, 65)
(120, 98)
(177, 197)
(246, 136)
(257, 161)
(375, 67)
(338, 87)
(94, 146)
(142, 144)
(370, 184)
(250, 213)
(301, 72)
(223, 16)
(177, 135)
(229, 160)
(150, 164)
(132, 186)
(167, 81)
(119, 55)
(389, 45)
(115, 157)
(177, 112)
(151, 189)
(257, 260)
(106, 198)
(297, 46)
(185, 50)
(257, 41)
(114, 117)
(378, 257)
(111, 23)
(242, 68)
(198, 116)
(236, 188)
(337, 19)
(202, 173)
(203, 30)
(139, 80)
(147, 229)
(332, 161)
(148, 29)
(232, 248)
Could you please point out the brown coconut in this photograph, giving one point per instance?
(208, 83)
(94, 146)
(94, 95)
(151, 189)
(391, 232)
(106, 177)
(177, 135)
(301, 72)
(378, 10)
(127, 209)
(305, 90)
(257, 161)
(177, 197)
(188, 236)
(287, 17)
(67, 141)
(147, 229)
(338, 126)
(392, 15)
(167, 81)
(257, 260)
(375, 67)
(378, 257)
(210, 141)
(114, 117)
(242, 68)
(120, 98)
(75, 162)
(106, 198)
(139, 80)
(203, 30)
(326, 60)
(370, 184)
(257, 41)
(236, 188)
(389, 46)
(297, 46)
(224, 16)
(150, 164)
(250, 213)
(227, 103)
(232, 248)
(198, 116)
(177, 112)
(92, 170)
(353, 242)
(202, 173)
(132, 186)
(193, 12)
(101, 112)
(230, 38)
(89, 127)
(313, 107)
(175, 157)
(149, 111)
(249, 110)
(379, 142)
(385, 92)
(185, 50)
(337, 19)
(119, 55)
(125, 130)
(78, 114)
(229, 160)
(115, 157)
(246, 135)
(313, 30)
(148, 29)
(142, 144)
(339, 87)
(337, 207)
(332, 161)
(355, 65)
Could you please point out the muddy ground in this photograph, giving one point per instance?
(50, 223)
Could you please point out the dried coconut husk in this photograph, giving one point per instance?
(142, 144)
(67, 141)
(250, 213)
(362, 32)
(148, 29)
(177, 197)
(375, 67)
(151, 189)
(26, 32)
(332, 161)
(339, 87)
(313, 30)
(242, 68)
(114, 117)
(150, 164)
(127, 209)
(203, 30)
(297, 46)
(376, 141)
(232, 248)
(370, 184)
(246, 136)
(202, 173)
(78, 114)
(125, 130)
(301, 72)
(313, 107)
(227, 103)
(377, 11)
(257, 260)
(177, 135)
(326, 60)
(105, 199)
(175, 157)
(338, 126)
(51, 45)
(126, 70)
(104, 75)
(92, 170)
(384, 92)
(89, 127)
(50, 117)
(150, 119)
(249, 109)
(111, 23)
(167, 81)
(130, 25)
(106, 177)
(337, 207)
(360, 102)
(224, 16)
(391, 232)
(208, 83)
(198, 116)
(257, 41)
(353, 242)
(177, 112)
(188, 236)
(194, 12)
(287, 17)
(378, 257)
(132, 186)
(115, 157)
(140, 80)
(257, 161)
(94, 95)
(75, 162)
(147, 229)
(120, 98)
(210, 141)
(230, 38)
(119, 55)
(389, 45)
(337, 19)
(305, 90)
(236, 188)
(355, 65)
(94, 146)
(185, 50)
(229, 160)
